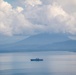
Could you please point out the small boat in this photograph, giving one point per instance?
(37, 59)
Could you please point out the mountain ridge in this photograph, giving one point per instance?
(42, 42)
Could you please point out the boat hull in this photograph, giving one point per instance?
(37, 59)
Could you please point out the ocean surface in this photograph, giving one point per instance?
(54, 63)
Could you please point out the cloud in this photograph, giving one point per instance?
(37, 17)
(12, 21)
(5, 10)
(33, 2)
(19, 9)
(64, 21)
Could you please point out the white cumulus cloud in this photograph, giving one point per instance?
(33, 2)
(19, 9)
(39, 16)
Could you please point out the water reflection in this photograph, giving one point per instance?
(55, 63)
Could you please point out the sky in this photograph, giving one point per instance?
(29, 17)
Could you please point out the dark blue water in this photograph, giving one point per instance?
(54, 63)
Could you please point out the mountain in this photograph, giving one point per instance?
(43, 39)
(69, 45)
(41, 42)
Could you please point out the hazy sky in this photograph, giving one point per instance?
(29, 17)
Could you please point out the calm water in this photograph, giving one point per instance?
(55, 63)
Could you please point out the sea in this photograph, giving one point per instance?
(54, 63)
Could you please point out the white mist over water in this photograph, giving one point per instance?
(54, 63)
